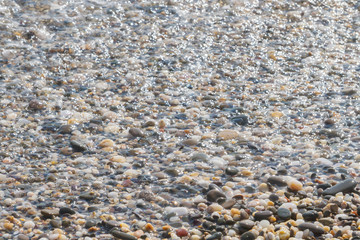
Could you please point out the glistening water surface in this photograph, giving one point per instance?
(179, 119)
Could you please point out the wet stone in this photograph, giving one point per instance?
(215, 236)
(284, 213)
(55, 223)
(135, 132)
(78, 146)
(311, 227)
(241, 120)
(122, 235)
(91, 223)
(173, 172)
(49, 213)
(273, 197)
(228, 204)
(231, 171)
(65, 223)
(326, 221)
(344, 187)
(248, 236)
(36, 105)
(87, 196)
(275, 180)
(67, 129)
(214, 195)
(200, 157)
(246, 224)
(262, 215)
(66, 210)
(310, 215)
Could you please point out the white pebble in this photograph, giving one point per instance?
(29, 224)
(113, 195)
(180, 211)
(264, 223)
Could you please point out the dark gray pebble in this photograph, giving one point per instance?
(92, 209)
(65, 223)
(135, 132)
(284, 213)
(311, 215)
(246, 224)
(55, 223)
(217, 235)
(66, 210)
(214, 195)
(326, 221)
(324, 186)
(248, 236)
(90, 223)
(275, 180)
(173, 172)
(122, 235)
(67, 129)
(262, 215)
(232, 171)
(78, 146)
(240, 120)
(111, 224)
(312, 227)
(273, 197)
(344, 186)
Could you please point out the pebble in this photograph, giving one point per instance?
(66, 210)
(78, 146)
(261, 215)
(106, 143)
(344, 187)
(232, 171)
(136, 132)
(310, 215)
(311, 227)
(29, 224)
(122, 235)
(241, 120)
(182, 232)
(217, 235)
(248, 236)
(275, 180)
(67, 129)
(284, 213)
(228, 134)
(295, 185)
(214, 195)
(55, 223)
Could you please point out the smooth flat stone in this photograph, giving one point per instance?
(275, 180)
(344, 186)
(312, 227)
(214, 195)
(122, 235)
(262, 215)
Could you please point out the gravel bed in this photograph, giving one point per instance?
(179, 119)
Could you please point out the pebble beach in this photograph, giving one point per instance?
(179, 119)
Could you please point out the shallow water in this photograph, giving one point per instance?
(108, 104)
